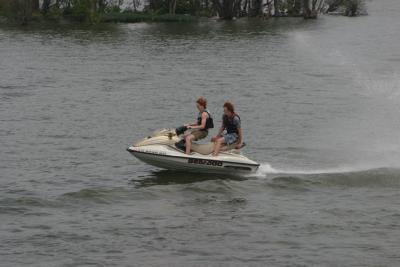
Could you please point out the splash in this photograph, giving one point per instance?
(370, 128)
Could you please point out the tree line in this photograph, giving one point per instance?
(92, 10)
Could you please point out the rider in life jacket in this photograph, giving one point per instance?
(232, 125)
(200, 128)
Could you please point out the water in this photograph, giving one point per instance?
(319, 102)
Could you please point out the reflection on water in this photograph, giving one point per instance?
(166, 177)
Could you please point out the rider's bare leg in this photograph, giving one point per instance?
(189, 138)
(217, 145)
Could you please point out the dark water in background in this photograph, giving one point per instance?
(320, 107)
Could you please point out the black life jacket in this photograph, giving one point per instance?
(209, 121)
(228, 124)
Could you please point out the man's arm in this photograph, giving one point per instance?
(190, 124)
(203, 122)
(221, 129)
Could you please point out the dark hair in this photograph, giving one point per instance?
(229, 106)
(202, 102)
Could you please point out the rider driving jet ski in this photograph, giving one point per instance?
(200, 128)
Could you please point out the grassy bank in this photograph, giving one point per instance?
(129, 17)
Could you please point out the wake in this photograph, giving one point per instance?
(266, 170)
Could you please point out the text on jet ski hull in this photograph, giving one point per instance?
(205, 162)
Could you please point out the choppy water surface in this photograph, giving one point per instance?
(319, 102)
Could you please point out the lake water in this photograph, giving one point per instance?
(319, 102)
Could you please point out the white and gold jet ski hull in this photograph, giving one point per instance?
(159, 150)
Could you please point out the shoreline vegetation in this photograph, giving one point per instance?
(130, 11)
(131, 17)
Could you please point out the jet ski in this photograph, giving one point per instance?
(165, 149)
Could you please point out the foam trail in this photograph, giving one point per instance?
(265, 169)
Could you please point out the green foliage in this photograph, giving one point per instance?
(83, 11)
(112, 9)
(347, 7)
(334, 4)
(54, 13)
(19, 11)
(2, 7)
(95, 11)
(206, 13)
(4, 14)
(158, 6)
(353, 7)
(294, 7)
(190, 7)
(140, 16)
(186, 7)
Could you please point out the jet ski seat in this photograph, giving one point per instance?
(204, 149)
(207, 149)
